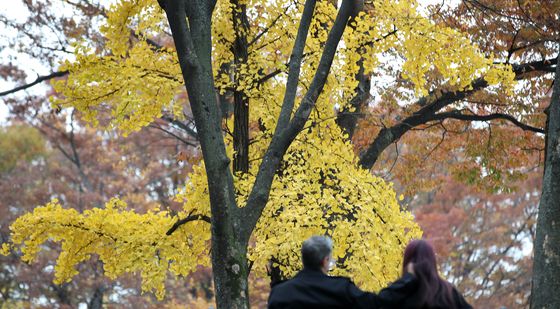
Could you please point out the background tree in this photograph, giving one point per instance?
(83, 168)
(491, 236)
(547, 263)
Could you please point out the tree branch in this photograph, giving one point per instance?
(433, 103)
(265, 30)
(546, 65)
(287, 130)
(181, 125)
(177, 17)
(315, 88)
(77, 161)
(459, 116)
(184, 141)
(268, 76)
(39, 79)
(189, 218)
(295, 66)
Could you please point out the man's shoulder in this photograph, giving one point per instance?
(306, 278)
(286, 284)
(318, 276)
(339, 280)
(314, 290)
(342, 278)
(282, 284)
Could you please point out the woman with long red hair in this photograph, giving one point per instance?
(431, 292)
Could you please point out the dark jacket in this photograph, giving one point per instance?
(311, 289)
(409, 298)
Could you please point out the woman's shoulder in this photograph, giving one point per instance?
(398, 292)
(407, 283)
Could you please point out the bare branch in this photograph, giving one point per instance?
(394, 161)
(295, 66)
(182, 140)
(443, 135)
(181, 125)
(39, 79)
(459, 116)
(435, 102)
(189, 218)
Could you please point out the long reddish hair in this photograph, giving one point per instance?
(432, 291)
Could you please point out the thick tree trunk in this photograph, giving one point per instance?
(229, 245)
(546, 267)
(231, 226)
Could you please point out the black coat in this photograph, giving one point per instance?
(411, 299)
(311, 289)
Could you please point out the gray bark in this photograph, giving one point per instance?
(546, 267)
(193, 44)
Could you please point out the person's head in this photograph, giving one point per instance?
(433, 289)
(421, 254)
(316, 253)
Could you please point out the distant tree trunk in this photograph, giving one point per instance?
(546, 267)
(62, 293)
(96, 301)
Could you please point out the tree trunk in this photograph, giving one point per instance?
(231, 227)
(229, 245)
(230, 270)
(546, 267)
(347, 119)
(226, 99)
(241, 102)
(96, 301)
(62, 293)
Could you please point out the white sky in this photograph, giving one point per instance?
(17, 11)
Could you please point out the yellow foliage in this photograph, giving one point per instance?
(320, 189)
(124, 240)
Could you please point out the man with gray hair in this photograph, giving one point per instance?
(316, 253)
(313, 288)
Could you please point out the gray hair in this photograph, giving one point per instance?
(314, 250)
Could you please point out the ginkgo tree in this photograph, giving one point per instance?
(294, 172)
